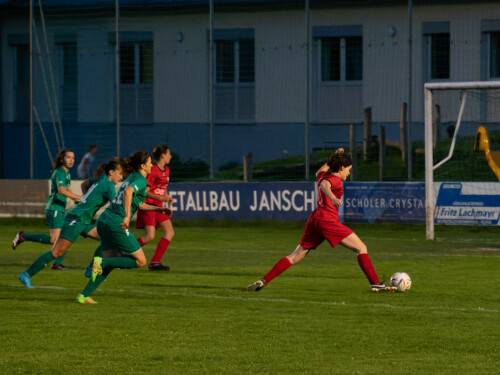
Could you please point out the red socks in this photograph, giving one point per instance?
(366, 265)
(160, 250)
(141, 242)
(280, 267)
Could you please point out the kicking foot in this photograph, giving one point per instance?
(25, 278)
(158, 267)
(18, 239)
(381, 287)
(85, 300)
(256, 286)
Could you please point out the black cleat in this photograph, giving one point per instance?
(59, 267)
(256, 286)
(158, 267)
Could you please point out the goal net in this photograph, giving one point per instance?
(462, 154)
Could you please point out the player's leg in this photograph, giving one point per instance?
(165, 225)
(354, 243)
(54, 236)
(146, 220)
(148, 236)
(92, 285)
(92, 233)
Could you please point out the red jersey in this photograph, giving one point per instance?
(326, 210)
(157, 181)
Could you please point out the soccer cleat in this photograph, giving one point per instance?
(59, 267)
(96, 267)
(25, 278)
(158, 267)
(85, 300)
(88, 272)
(256, 286)
(381, 287)
(18, 239)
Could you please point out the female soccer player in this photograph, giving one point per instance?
(119, 246)
(79, 220)
(324, 224)
(150, 220)
(60, 191)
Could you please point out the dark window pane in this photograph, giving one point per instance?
(440, 56)
(127, 71)
(495, 55)
(354, 58)
(330, 59)
(146, 62)
(224, 60)
(70, 71)
(247, 61)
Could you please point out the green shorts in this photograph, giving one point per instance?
(55, 219)
(73, 228)
(115, 238)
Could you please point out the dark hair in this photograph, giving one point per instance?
(92, 147)
(111, 165)
(59, 160)
(337, 161)
(159, 151)
(134, 161)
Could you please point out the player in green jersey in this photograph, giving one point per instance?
(79, 221)
(119, 246)
(60, 191)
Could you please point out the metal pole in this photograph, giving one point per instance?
(117, 77)
(410, 104)
(429, 170)
(308, 76)
(211, 88)
(32, 152)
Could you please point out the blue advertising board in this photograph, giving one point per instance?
(468, 203)
(259, 200)
(402, 202)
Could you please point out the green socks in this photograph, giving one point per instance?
(118, 262)
(59, 260)
(93, 285)
(40, 263)
(37, 237)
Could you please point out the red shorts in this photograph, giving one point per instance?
(150, 219)
(319, 230)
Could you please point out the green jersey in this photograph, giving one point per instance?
(57, 201)
(139, 183)
(101, 192)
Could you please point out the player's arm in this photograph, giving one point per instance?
(63, 190)
(325, 167)
(326, 187)
(149, 207)
(85, 186)
(127, 205)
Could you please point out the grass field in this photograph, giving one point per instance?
(317, 318)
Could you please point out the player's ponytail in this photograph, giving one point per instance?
(134, 161)
(159, 151)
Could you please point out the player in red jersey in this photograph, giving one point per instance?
(157, 196)
(324, 223)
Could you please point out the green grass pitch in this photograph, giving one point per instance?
(317, 318)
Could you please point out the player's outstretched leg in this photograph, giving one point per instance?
(281, 266)
(18, 239)
(256, 286)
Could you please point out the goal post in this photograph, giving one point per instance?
(430, 89)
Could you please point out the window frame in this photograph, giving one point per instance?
(343, 81)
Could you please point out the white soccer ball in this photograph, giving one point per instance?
(401, 280)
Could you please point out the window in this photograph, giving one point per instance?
(69, 81)
(234, 75)
(436, 36)
(439, 55)
(136, 80)
(494, 54)
(342, 59)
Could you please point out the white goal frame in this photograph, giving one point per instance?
(429, 162)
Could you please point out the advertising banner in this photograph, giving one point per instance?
(402, 202)
(468, 203)
(259, 200)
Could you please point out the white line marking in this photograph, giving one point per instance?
(281, 300)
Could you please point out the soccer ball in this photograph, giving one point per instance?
(401, 280)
